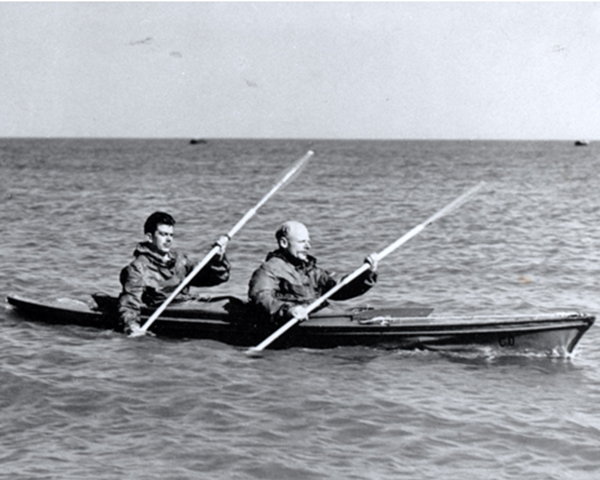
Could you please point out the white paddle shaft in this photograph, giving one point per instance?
(365, 266)
(249, 214)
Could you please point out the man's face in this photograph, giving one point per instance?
(162, 238)
(297, 242)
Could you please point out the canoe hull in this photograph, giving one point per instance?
(398, 328)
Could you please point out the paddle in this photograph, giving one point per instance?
(255, 351)
(291, 172)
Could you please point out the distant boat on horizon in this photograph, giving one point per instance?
(582, 143)
(197, 141)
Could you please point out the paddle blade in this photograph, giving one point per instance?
(275, 335)
(254, 352)
(285, 178)
(295, 170)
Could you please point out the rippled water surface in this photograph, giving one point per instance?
(84, 404)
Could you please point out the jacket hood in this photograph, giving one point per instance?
(285, 256)
(146, 249)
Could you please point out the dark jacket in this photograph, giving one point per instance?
(283, 281)
(148, 280)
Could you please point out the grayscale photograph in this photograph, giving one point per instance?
(300, 240)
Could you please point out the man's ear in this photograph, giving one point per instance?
(283, 243)
(149, 237)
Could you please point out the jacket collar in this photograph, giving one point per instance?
(147, 250)
(296, 262)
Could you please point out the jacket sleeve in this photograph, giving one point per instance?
(214, 273)
(130, 299)
(355, 288)
(262, 295)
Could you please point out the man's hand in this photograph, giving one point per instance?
(299, 312)
(372, 260)
(222, 244)
(134, 330)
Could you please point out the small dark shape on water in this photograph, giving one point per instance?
(197, 141)
(582, 143)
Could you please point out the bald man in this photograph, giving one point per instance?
(289, 279)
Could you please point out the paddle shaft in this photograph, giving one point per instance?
(365, 266)
(249, 214)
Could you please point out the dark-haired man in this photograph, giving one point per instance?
(157, 271)
(289, 279)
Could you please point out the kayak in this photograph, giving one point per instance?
(230, 320)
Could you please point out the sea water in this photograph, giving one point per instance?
(85, 404)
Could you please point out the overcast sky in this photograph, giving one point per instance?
(398, 70)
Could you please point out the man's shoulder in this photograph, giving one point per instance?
(141, 258)
(275, 258)
(138, 264)
(272, 262)
(275, 261)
